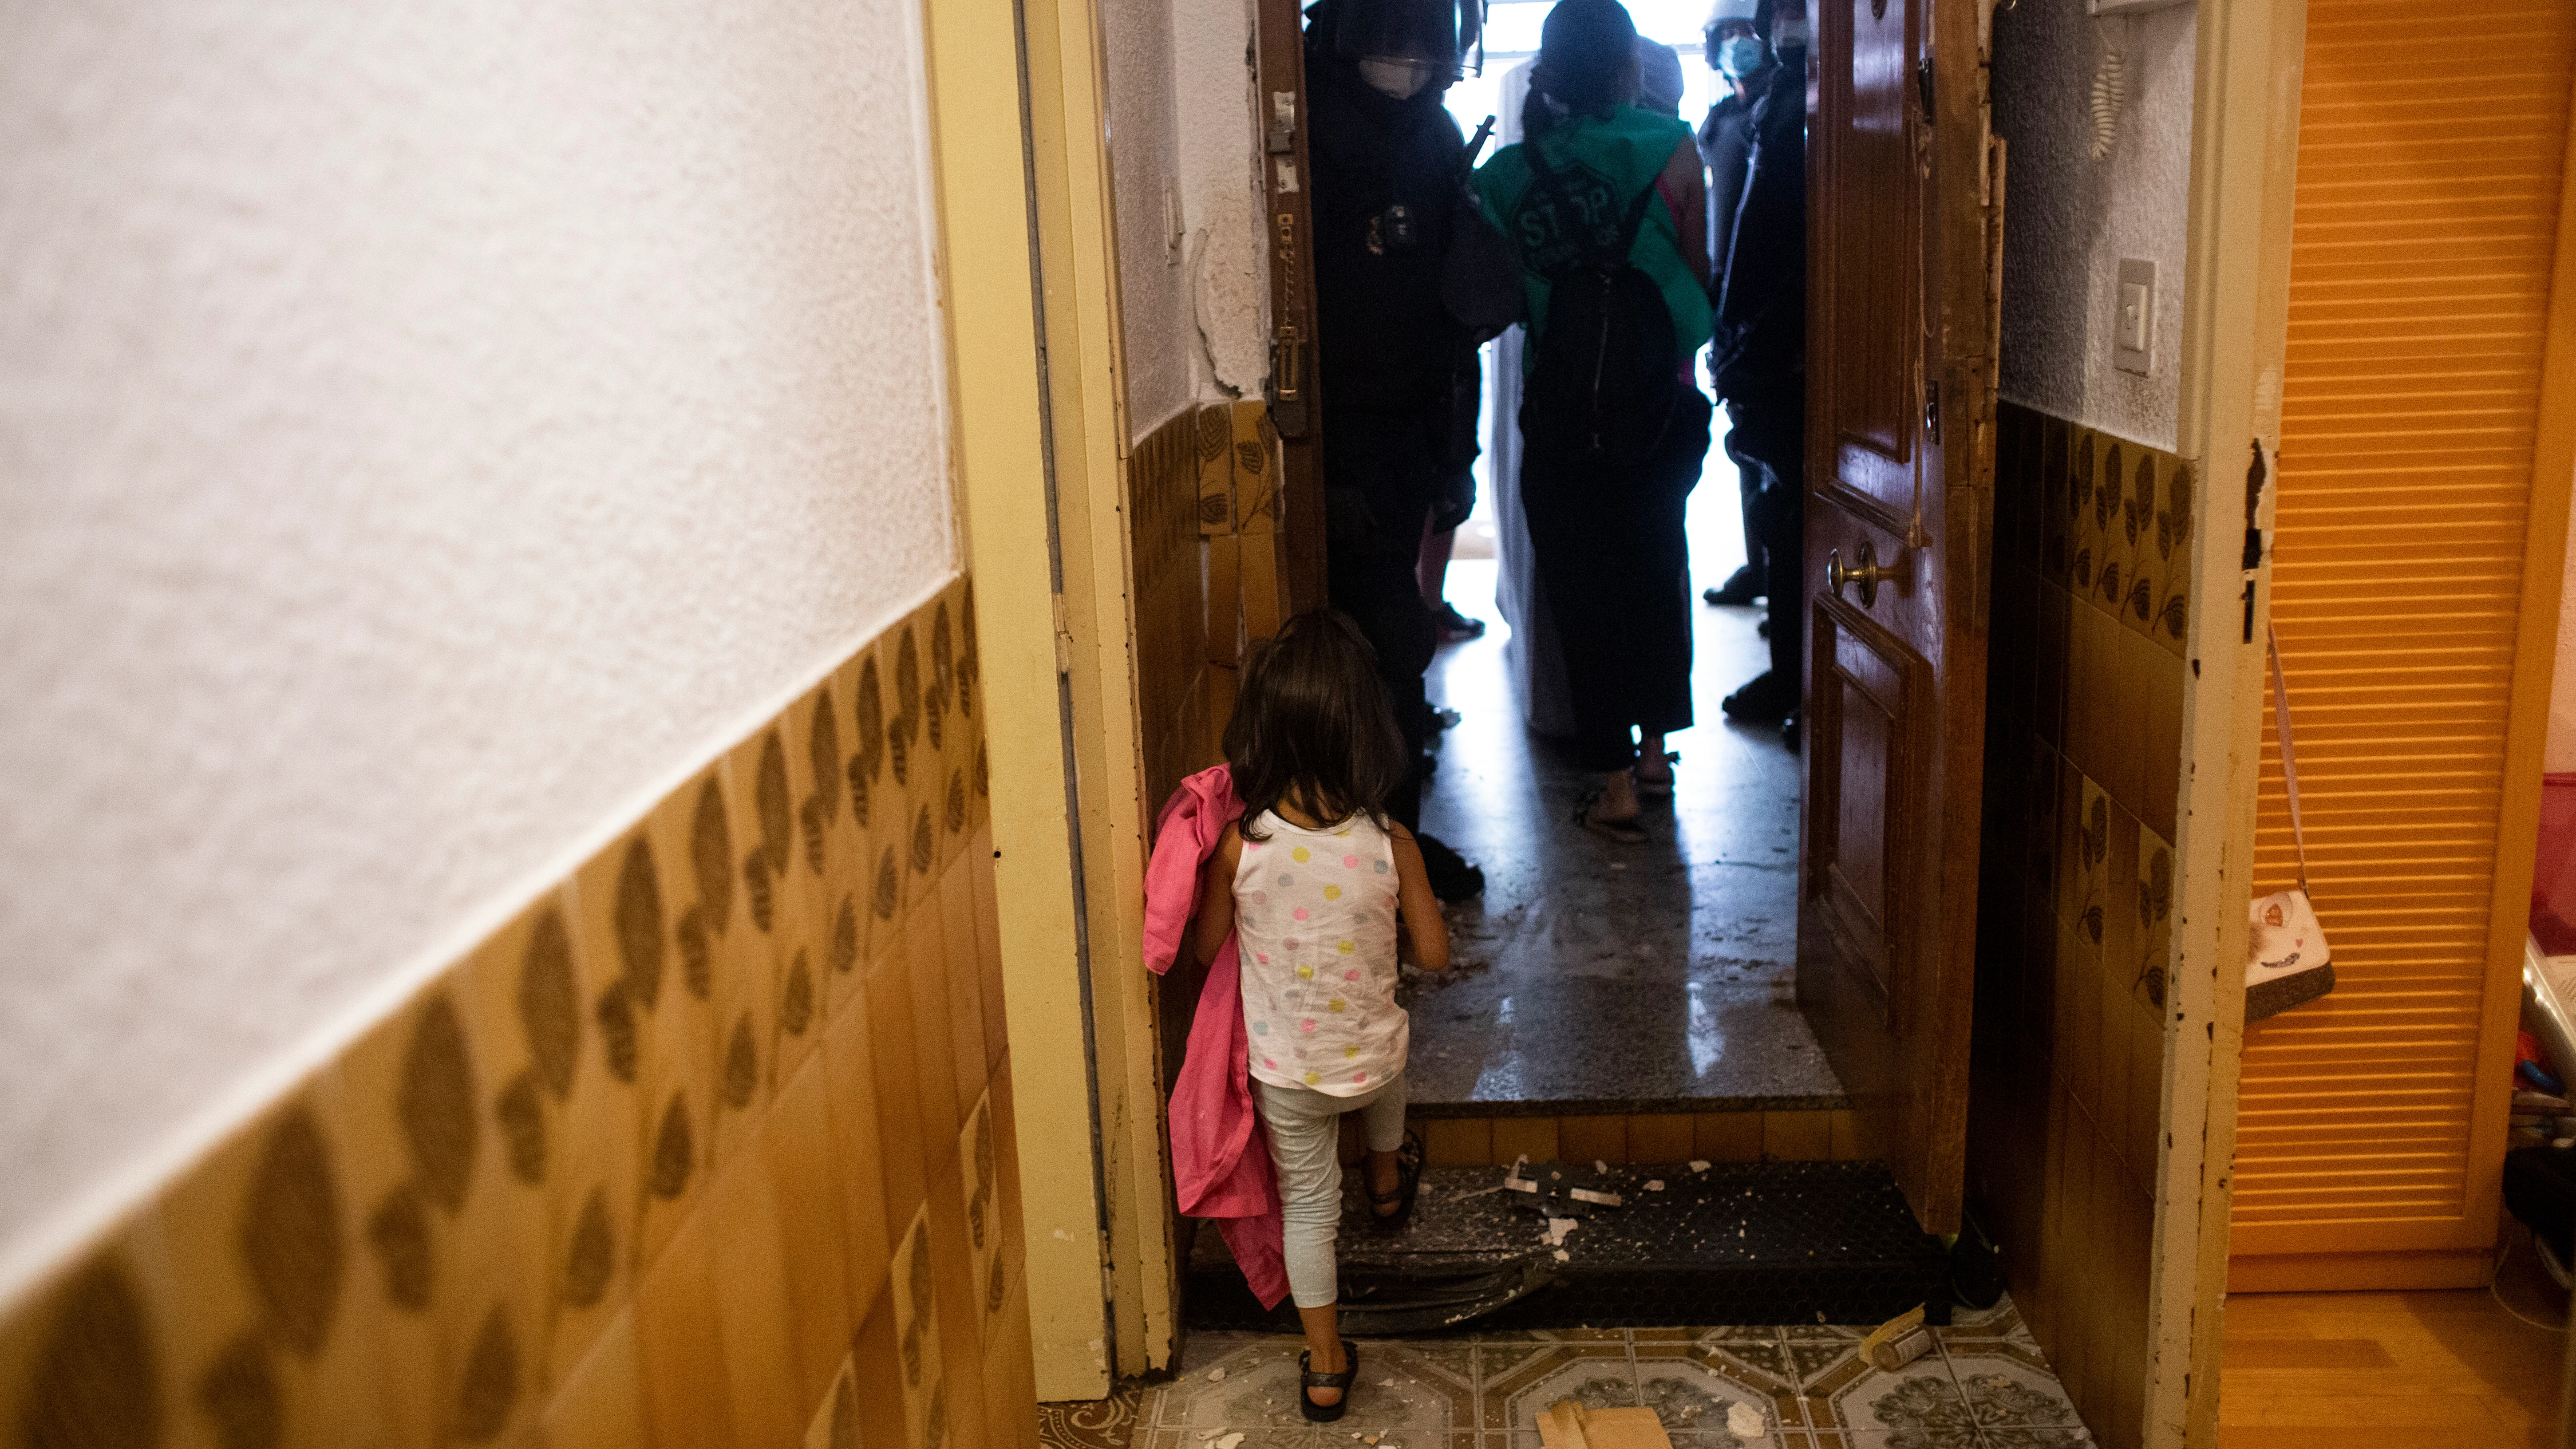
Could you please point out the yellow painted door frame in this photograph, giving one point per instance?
(1037, 391)
(2245, 109)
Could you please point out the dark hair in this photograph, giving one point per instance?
(1584, 47)
(1311, 720)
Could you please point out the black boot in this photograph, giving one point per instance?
(1453, 876)
(1741, 587)
(1769, 699)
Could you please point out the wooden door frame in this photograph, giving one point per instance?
(1296, 361)
(1037, 394)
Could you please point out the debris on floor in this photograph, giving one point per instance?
(1745, 1421)
(1216, 1373)
(1569, 1425)
(1897, 1342)
(1741, 1242)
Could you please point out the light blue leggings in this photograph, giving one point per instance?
(1305, 1141)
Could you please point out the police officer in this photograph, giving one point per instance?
(1759, 363)
(1393, 222)
(1733, 47)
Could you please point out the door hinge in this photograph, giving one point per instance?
(1932, 409)
(1923, 82)
(1063, 636)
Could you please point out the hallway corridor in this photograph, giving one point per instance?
(1609, 977)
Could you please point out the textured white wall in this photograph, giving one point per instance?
(1221, 199)
(1144, 158)
(1181, 123)
(2070, 219)
(427, 430)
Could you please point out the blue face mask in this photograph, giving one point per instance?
(1742, 56)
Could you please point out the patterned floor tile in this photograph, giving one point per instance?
(2006, 1393)
(1419, 1396)
(1116, 1422)
(1921, 1401)
(1816, 1354)
(1691, 1387)
(1986, 1386)
(1923, 1437)
(1519, 1381)
(1762, 1362)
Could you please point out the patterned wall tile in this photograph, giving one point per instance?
(919, 1362)
(262, 1338)
(599, 1402)
(801, 1158)
(988, 942)
(631, 1170)
(649, 1003)
(969, 1061)
(687, 1397)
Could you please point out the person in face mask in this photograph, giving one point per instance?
(1396, 365)
(1759, 363)
(1734, 49)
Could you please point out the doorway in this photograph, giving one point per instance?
(1595, 978)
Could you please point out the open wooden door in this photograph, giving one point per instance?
(1904, 208)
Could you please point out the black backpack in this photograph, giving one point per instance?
(1605, 383)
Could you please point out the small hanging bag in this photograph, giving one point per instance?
(2287, 961)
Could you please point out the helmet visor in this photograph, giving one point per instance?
(1445, 38)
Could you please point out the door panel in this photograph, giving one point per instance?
(1871, 728)
(1903, 200)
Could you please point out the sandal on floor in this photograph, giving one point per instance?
(1309, 1379)
(1408, 1181)
(1652, 788)
(1626, 832)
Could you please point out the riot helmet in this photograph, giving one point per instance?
(1402, 46)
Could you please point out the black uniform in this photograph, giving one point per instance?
(1761, 356)
(1726, 149)
(1388, 179)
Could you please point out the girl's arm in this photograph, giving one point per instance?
(1216, 897)
(1424, 928)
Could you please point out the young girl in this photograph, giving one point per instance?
(1315, 882)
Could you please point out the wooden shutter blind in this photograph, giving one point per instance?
(2428, 198)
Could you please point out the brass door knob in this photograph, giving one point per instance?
(1869, 574)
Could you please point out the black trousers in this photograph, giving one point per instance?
(1381, 475)
(1616, 567)
(1770, 426)
(1748, 485)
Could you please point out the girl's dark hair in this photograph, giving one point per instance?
(1585, 48)
(1312, 724)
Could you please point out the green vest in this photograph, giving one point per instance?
(1609, 160)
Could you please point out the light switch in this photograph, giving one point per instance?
(2133, 318)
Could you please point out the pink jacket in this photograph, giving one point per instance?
(1220, 1153)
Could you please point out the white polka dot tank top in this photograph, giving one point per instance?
(1314, 919)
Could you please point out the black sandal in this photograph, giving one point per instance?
(1309, 1379)
(1408, 1181)
(1626, 832)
